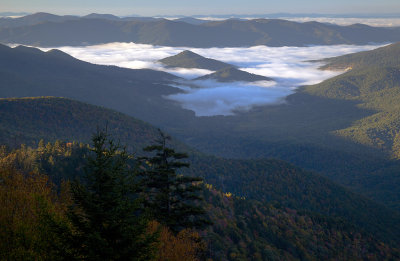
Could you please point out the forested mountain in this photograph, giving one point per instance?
(41, 17)
(279, 224)
(301, 131)
(189, 59)
(347, 126)
(57, 31)
(242, 229)
(386, 56)
(231, 74)
(274, 182)
(315, 177)
(374, 82)
(27, 72)
(28, 120)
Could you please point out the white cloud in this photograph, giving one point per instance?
(213, 98)
(286, 65)
(378, 22)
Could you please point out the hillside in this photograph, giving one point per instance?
(227, 33)
(300, 131)
(27, 72)
(270, 181)
(230, 74)
(346, 127)
(28, 120)
(387, 56)
(242, 228)
(373, 81)
(188, 59)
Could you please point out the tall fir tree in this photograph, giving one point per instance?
(107, 212)
(171, 198)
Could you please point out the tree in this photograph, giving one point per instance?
(27, 203)
(107, 212)
(187, 245)
(172, 199)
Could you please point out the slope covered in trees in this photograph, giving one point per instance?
(27, 72)
(189, 59)
(374, 83)
(302, 130)
(231, 74)
(28, 120)
(269, 181)
(242, 228)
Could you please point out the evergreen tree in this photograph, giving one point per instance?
(171, 198)
(107, 212)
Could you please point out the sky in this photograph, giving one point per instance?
(204, 7)
(287, 67)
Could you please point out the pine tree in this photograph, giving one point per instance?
(172, 199)
(107, 212)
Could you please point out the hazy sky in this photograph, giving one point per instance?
(202, 7)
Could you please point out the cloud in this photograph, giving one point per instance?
(378, 22)
(288, 67)
(213, 98)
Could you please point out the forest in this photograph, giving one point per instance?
(97, 162)
(60, 201)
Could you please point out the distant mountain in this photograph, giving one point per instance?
(189, 59)
(33, 19)
(230, 74)
(191, 20)
(68, 30)
(102, 16)
(117, 18)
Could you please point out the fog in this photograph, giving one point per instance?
(287, 66)
(378, 22)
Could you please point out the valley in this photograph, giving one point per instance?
(293, 137)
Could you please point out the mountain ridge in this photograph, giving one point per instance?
(189, 59)
(228, 33)
(231, 74)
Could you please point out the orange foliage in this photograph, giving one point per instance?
(24, 199)
(185, 246)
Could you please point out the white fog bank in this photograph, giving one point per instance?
(286, 65)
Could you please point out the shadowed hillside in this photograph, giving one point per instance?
(230, 74)
(188, 59)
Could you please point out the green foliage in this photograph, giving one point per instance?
(27, 120)
(243, 229)
(304, 130)
(107, 214)
(250, 230)
(171, 198)
(279, 183)
(386, 56)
